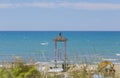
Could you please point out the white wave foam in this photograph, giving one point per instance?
(110, 59)
(117, 54)
(44, 43)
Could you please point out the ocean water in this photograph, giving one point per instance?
(81, 45)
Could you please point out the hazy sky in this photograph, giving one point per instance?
(63, 15)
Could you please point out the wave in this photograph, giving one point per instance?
(117, 54)
(110, 59)
(44, 43)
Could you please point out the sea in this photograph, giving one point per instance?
(81, 46)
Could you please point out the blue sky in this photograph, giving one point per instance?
(50, 15)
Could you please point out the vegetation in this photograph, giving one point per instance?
(79, 74)
(21, 71)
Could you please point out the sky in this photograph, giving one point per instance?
(59, 15)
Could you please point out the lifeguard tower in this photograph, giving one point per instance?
(63, 40)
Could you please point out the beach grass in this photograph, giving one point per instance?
(20, 69)
(31, 72)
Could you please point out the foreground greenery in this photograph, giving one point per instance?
(26, 71)
(21, 71)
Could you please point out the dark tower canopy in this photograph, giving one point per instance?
(60, 38)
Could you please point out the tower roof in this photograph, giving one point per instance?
(60, 38)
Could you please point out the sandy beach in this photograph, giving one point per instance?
(117, 73)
